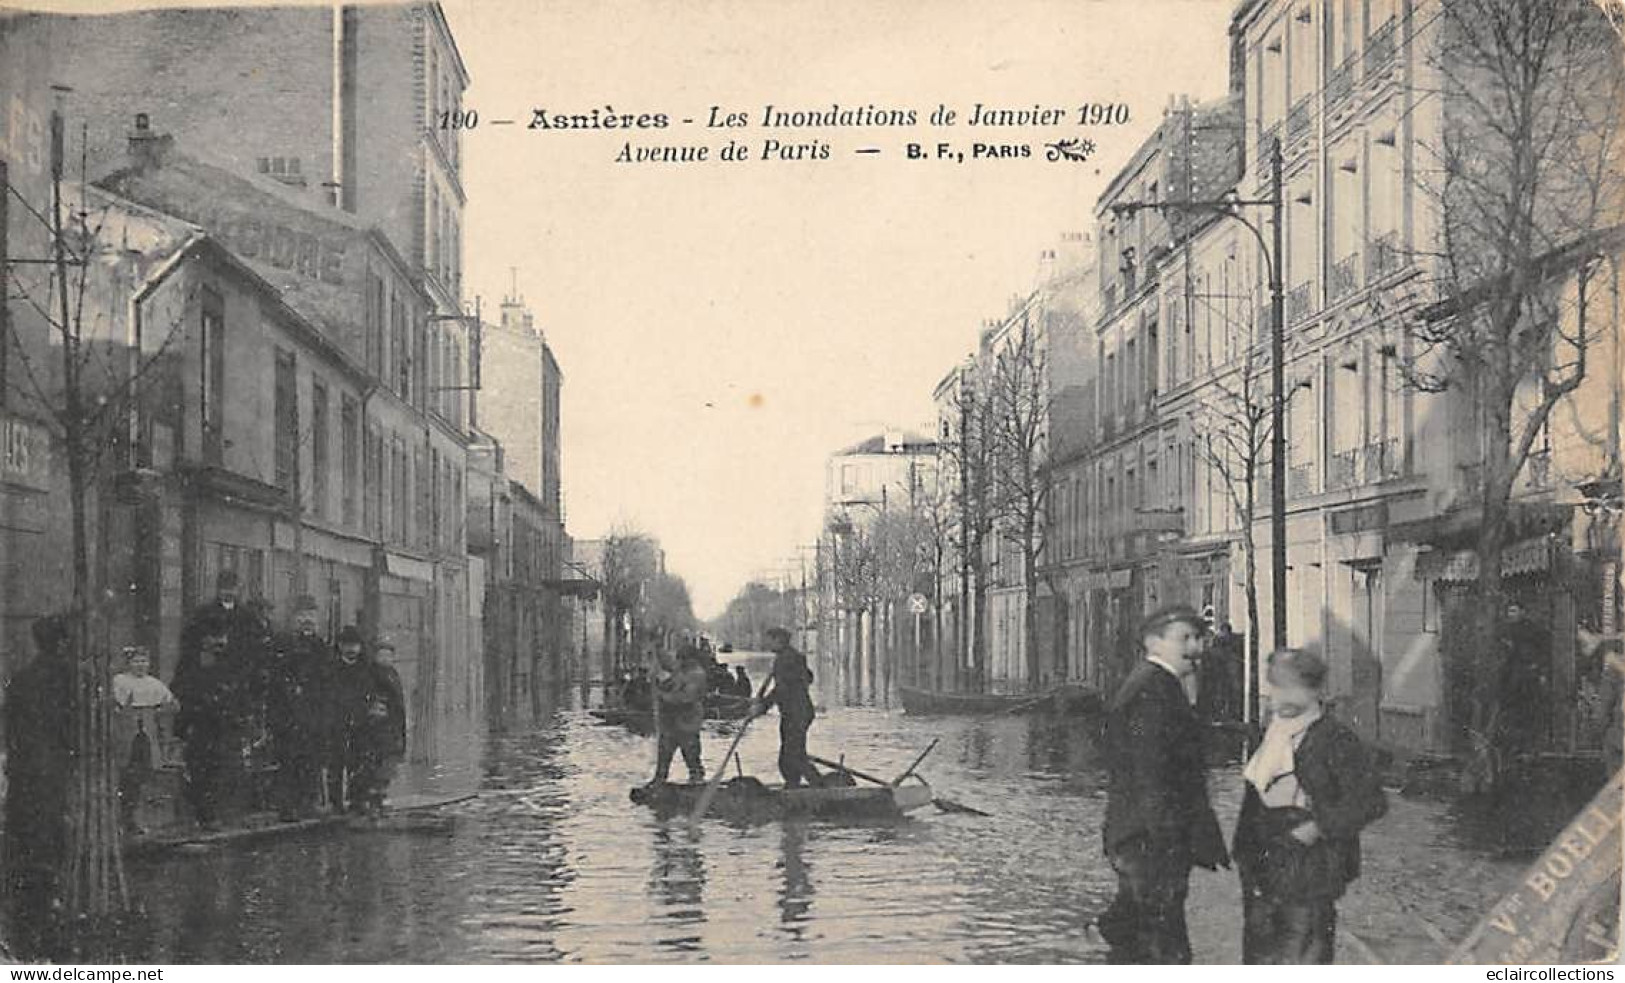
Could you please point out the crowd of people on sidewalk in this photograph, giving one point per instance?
(328, 716)
(324, 721)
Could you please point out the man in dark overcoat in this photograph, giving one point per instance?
(215, 721)
(1159, 822)
(366, 726)
(789, 688)
(295, 686)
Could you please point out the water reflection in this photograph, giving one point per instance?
(795, 886)
(552, 863)
(677, 882)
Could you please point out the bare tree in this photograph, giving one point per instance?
(1019, 396)
(969, 454)
(1527, 192)
(91, 401)
(670, 607)
(858, 588)
(1231, 432)
(630, 568)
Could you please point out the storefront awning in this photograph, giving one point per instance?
(1531, 556)
(580, 587)
(1458, 529)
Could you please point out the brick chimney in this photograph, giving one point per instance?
(516, 316)
(146, 147)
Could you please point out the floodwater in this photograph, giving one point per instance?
(552, 862)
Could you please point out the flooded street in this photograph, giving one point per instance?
(551, 862)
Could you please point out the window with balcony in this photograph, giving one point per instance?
(1345, 27)
(1385, 399)
(1382, 32)
(1345, 207)
(1303, 251)
(1302, 55)
(1272, 96)
(1346, 414)
(1387, 183)
(1303, 451)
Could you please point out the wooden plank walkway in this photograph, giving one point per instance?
(265, 825)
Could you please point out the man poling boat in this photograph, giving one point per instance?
(789, 687)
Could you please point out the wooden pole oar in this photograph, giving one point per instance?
(910, 770)
(946, 805)
(716, 781)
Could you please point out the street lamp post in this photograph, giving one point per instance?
(1272, 251)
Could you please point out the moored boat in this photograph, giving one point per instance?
(1066, 699)
(923, 702)
(746, 799)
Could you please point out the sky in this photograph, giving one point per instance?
(724, 327)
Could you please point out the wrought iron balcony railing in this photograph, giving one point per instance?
(1300, 481)
(1380, 46)
(1266, 136)
(1345, 278)
(1300, 301)
(1297, 121)
(1384, 257)
(1344, 469)
(1381, 460)
(1341, 81)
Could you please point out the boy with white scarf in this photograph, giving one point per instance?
(1311, 787)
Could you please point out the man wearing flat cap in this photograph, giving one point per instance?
(1159, 822)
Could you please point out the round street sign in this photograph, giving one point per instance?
(917, 604)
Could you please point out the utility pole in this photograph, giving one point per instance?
(1277, 425)
(1273, 251)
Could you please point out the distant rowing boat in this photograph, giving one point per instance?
(746, 799)
(716, 708)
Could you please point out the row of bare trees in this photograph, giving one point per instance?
(643, 603)
(995, 481)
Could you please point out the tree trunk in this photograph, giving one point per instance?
(1487, 602)
(978, 635)
(95, 891)
(1030, 572)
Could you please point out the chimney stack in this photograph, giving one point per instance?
(145, 146)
